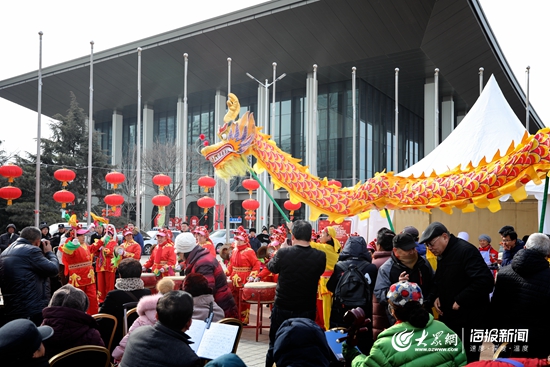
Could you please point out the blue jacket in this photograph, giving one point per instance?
(508, 255)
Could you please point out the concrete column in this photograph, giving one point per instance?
(447, 117)
(429, 116)
(181, 141)
(220, 190)
(148, 191)
(460, 117)
(311, 130)
(116, 139)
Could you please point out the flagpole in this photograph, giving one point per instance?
(228, 184)
(354, 129)
(396, 154)
(138, 144)
(481, 80)
(269, 129)
(436, 109)
(185, 138)
(90, 134)
(38, 137)
(527, 100)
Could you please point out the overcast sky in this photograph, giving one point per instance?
(521, 28)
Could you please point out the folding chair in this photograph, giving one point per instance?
(84, 355)
(129, 311)
(107, 327)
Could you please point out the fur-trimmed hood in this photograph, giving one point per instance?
(147, 306)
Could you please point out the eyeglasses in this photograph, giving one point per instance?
(432, 243)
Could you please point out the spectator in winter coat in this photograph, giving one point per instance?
(21, 343)
(72, 326)
(384, 248)
(462, 284)
(196, 259)
(489, 254)
(8, 238)
(511, 246)
(405, 303)
(420, 247)
(197, 286)
(255, 243)
(404, 264)
(354, 253)
(24, 273)
(520, 286)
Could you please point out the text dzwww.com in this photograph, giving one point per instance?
(452, 349)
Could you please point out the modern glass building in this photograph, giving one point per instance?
(416, 36)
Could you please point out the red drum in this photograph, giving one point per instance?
(262, 291)
(149, 281)
(178, 281)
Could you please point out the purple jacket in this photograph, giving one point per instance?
(200, 261)
(72, 328)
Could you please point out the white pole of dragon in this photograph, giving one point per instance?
(465, 189)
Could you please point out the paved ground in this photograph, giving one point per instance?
(250, 351)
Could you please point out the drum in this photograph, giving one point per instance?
(178, 281)
(259, 291)
(149, 281)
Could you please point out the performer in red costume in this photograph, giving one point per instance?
(244, 267)
(77, 259)
(277, 239)
(104, 267)
(201, 233)
(163, 256)
(131, 249)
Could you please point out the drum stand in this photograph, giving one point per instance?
(259, 312)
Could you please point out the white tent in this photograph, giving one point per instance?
(489, 126)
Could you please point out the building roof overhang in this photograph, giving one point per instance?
(415, 36)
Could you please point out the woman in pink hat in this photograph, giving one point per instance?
(130, 248)
(201, 233)
(77, 259)
(244, 266)
(104, 267)
(163, 256)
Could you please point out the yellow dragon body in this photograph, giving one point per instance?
(464, 189)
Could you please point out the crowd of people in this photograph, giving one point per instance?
(435, 293)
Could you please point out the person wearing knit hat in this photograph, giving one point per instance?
(489, 254)
(203, 239)
(194, 258)
(243, 267)
(329, 244)
(66, 314)
(464, 235)
(163, 257)
(21, 343)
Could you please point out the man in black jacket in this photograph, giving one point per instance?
(9, 237)
(299, 267)
(522, 293)
(24, 273)
(462, 284)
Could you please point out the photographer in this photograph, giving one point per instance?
(24, 273)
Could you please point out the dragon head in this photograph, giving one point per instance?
(229, 155)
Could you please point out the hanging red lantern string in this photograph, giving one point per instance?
(115, 178)
(251, 185)
(251, 204)
(64, 197)
(206, 182)
(64, 175)
(10, 193)
(292, 207)
(161, 200)
(206, 202)
(11, 171)
(161, 181)
(113, 200)
(335, 183)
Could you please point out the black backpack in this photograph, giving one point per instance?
(353, 288)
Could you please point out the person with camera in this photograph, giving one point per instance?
(416, 339)
(24, 272)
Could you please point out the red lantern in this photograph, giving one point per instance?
(114, 200)
(206, 182)
(251, 185)
(251, 204)
(115, 178)
(291, 206)
(161, 200)
(206, 202)
(335, 183)
(161, 181)
(11, 171)
(10, 193)
(64, 175)
(63, 197)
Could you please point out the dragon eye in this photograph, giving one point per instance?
(224, 136)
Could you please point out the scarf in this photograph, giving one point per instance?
(129, 284)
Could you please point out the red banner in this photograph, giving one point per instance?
(343, 230)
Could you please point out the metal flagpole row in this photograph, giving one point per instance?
(185, 138)
(38, 137)
(90, 134)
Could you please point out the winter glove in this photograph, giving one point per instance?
(348, 352)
